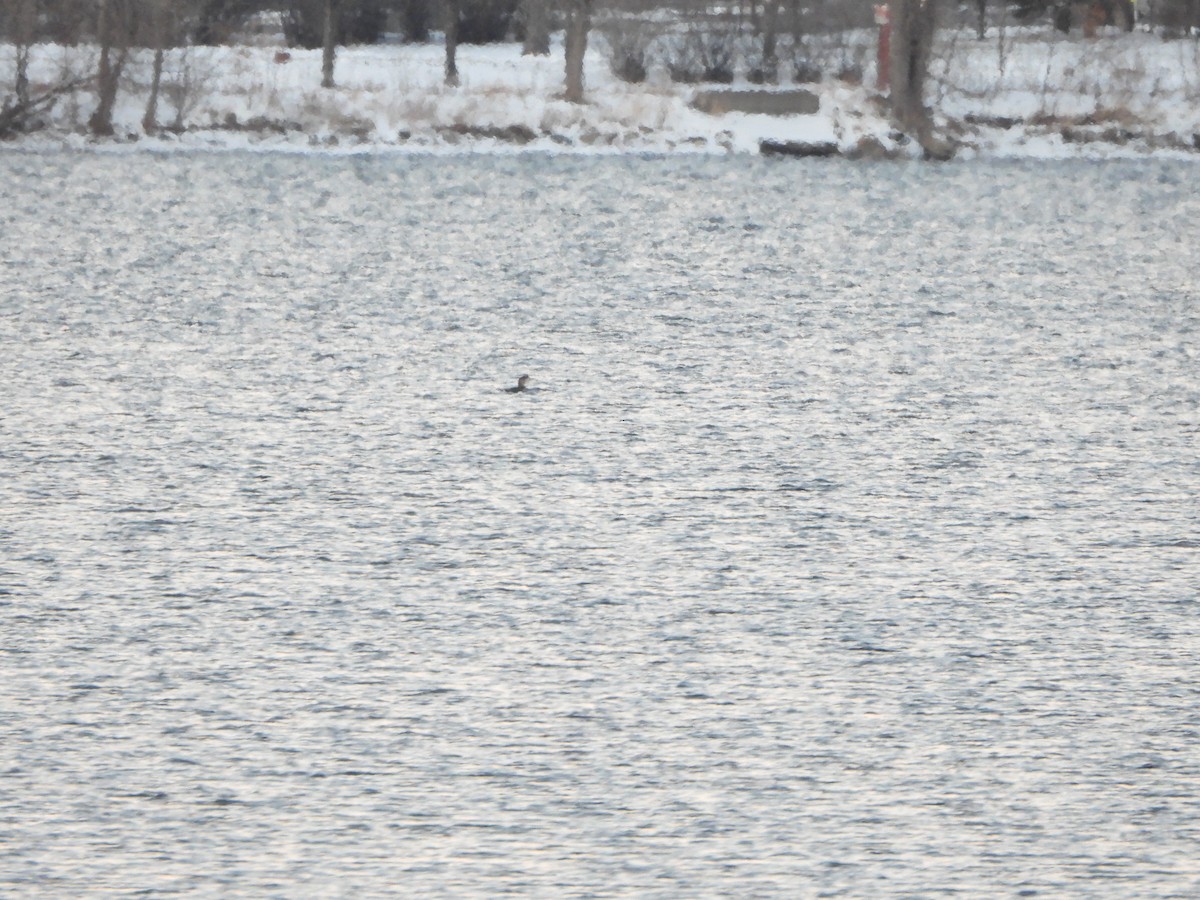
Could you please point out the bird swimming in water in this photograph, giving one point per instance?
(521, 382)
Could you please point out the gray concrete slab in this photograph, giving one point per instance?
(767, 103)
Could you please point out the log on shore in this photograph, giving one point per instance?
(798, 148)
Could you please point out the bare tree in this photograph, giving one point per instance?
(912, 40)
(329, 48)
(30, 21)
(185, 81)
(24, 19)
(17, 118)
(114, 26)
(453, 12)
(157, 16)
(770, 38)
(579, 23)
(536, 17)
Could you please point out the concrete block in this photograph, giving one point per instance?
(765, 103)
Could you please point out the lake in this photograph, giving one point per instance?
(846, 543)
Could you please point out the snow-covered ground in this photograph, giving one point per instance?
(1019, 92)
(1037, 93)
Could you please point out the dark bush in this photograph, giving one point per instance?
(703, 54)
(1062, 12)
(486, 21)
(805, 71)
(760, 68)
(417, 17)
(358, 22)
(628, 50)
(218, 20)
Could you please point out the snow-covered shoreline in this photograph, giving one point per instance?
(1016, 95)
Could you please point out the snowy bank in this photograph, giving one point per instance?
(1020, 93)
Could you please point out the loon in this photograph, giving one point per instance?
(520, 385)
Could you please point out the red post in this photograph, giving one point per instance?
(883, 18)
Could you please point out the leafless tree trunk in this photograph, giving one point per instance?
(981, 20)
(112, 30)
(579, 23)
(912, 41)
(452, 11)
(537, 28)
(16, 118)
(158, 31)
(329, 49)
(770, 35)
(796, 14)
(23, 38)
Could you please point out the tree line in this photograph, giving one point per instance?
(707, 36)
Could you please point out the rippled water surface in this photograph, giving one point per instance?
(849, 545)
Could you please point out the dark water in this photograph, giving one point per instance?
(849, 547)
